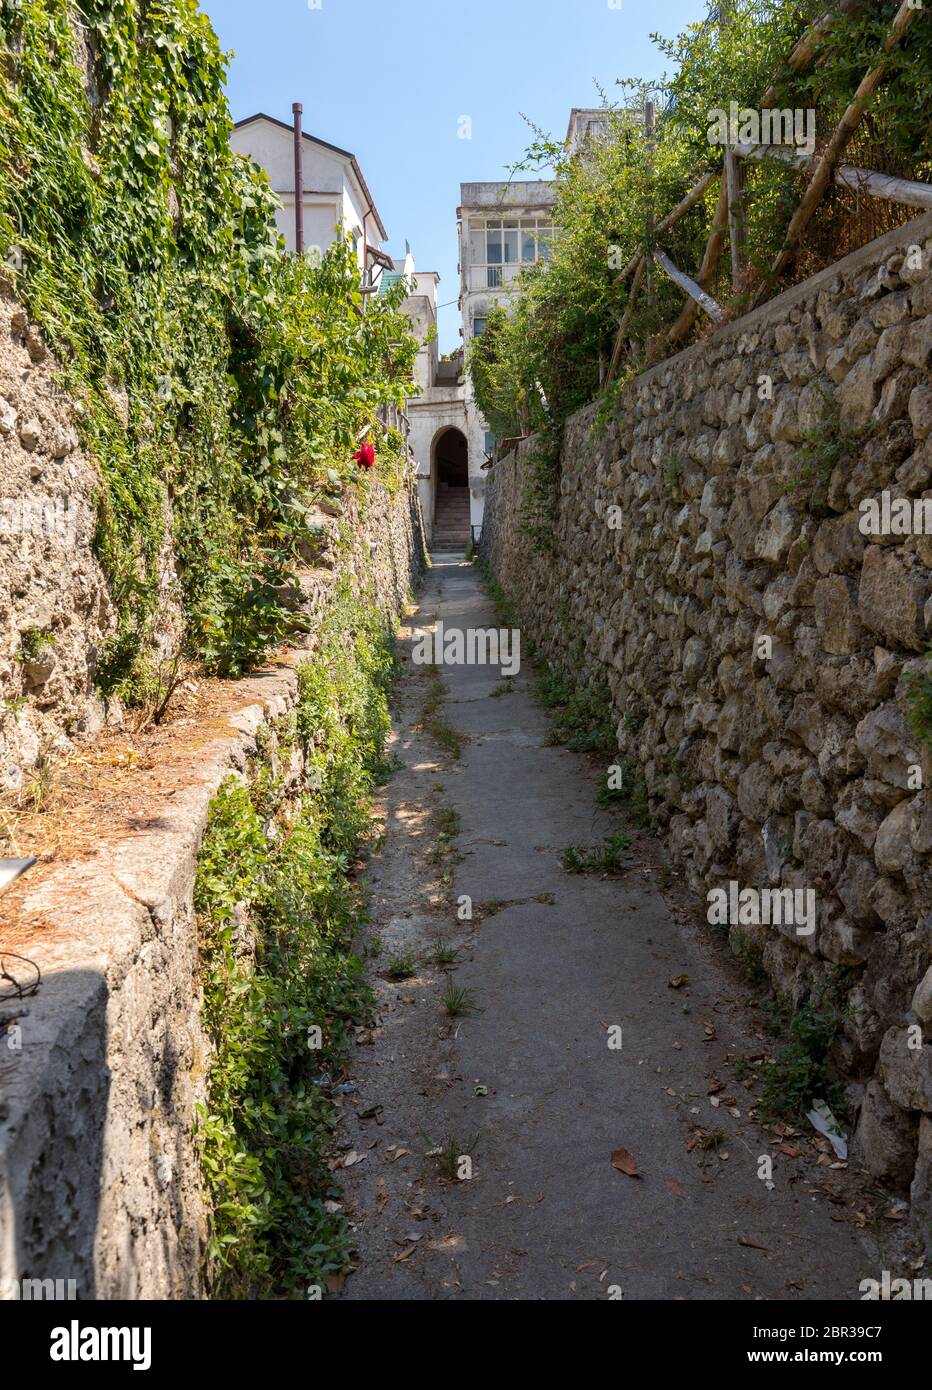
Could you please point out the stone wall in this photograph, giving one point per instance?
(737, 517)
(55, 608)
(99, 1172)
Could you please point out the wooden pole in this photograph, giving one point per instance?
(895, 190)
(809, 45)
(705, 301)
(735, 182)
(826, 164)
(626, 320)
(709, 267)
(690, 201)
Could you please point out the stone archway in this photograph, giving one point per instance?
(450, 468)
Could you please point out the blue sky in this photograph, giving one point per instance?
(390, 79)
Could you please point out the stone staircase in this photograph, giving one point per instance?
(451, 519)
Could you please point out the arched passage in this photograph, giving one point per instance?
(452, 458)
(451, 497)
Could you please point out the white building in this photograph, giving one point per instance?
(335, 192)
(503, 228)
(438, 421)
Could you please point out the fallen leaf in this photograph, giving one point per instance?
(352, 1158)
(751, 1244)
(790, 1150)
(625, 1163)
(676, 1189)
(679, 981)
(404, 1255)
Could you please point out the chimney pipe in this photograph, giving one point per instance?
(298, 109)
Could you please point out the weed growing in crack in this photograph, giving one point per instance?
(607, 858)
(402, 967)
(800, 1073)
(626, 791)
(451, 1155)
(457, 1000)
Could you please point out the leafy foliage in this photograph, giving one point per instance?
(222, 384)
(919, 694)
(558, 335)
(266, 1120)
(801, 1072)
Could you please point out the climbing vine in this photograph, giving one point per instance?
(278, 910)
(220, 384)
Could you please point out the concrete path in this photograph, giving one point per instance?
(527, 1086)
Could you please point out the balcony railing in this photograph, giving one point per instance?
(492, 277)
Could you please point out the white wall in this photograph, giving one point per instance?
(333, 196)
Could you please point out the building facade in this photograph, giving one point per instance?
(503, 228)
(336, 199)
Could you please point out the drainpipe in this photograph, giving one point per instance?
(297, 110)
(365, 261)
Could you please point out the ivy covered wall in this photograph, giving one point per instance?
(218, 385)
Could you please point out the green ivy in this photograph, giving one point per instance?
(222, 385)
(283, 881)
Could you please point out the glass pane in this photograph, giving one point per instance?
(511, 245)
(527, 246)
(477, 245)
(478, 326)
(494, 244)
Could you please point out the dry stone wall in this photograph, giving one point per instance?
(719, 505)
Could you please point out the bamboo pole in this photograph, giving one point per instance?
(829, 159)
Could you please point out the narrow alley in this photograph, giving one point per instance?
(529, 1084)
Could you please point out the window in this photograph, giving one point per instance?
(490, 442)
(478, 326)
(495, 242)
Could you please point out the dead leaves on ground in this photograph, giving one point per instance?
(625, 1163)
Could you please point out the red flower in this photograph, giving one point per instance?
(366, 456)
